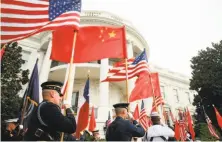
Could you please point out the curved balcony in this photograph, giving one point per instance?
(58, 70)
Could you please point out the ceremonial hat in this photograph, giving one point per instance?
(121, 105)
(154, 114)
(14, 120)
(52, 85)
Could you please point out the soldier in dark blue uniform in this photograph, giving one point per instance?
(47, 122)
(10, 131)
(121, 129)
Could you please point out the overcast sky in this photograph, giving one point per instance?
(174, 29)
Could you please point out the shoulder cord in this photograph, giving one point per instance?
(39, 116)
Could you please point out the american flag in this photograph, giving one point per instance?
(138, 65)
(158, 100)
(120, 66)
(23, 18)
(143, 119)
(210, 127)
(183, 132)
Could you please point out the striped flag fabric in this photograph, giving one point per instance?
(119, 66)
(23, 18)
(158, 100)
(138, 65)
(183, 132)
(210, 126)
(143, 119)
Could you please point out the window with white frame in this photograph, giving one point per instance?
(75, 100)
(188, 96)
(175, 93)
(162, 91)
(25, 56)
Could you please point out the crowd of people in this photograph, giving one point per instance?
(47, 123)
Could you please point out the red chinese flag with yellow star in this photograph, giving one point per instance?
(92, 43)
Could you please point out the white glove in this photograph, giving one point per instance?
(130, 116)
(66, 102)
(20, 127)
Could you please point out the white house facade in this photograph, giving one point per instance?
(174, 87)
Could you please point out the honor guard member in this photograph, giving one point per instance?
(47, 122)
(9, 132)
(121, 129)
(158, 132)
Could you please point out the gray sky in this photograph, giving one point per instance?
(174, 29)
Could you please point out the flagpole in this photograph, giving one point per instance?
(127, 81)
(154, 100)
(25, 103)
(163, 113)
(70, 70)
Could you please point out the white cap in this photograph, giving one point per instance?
(153, 114)
(11, 120)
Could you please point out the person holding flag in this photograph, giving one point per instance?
(121, 129)
(47, 122)
(158, 132)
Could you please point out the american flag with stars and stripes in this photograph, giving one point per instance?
(118, 73)
(143, 119)
(183, 132)
(210, 127)
(158, 100)
(23, 18)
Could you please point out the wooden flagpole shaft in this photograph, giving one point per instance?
(154, 100)
(70, 70)
(71, 64)
(127, 81)
(164, 114)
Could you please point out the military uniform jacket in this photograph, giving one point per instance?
(159, 133)
(123, 130)
(52, 122)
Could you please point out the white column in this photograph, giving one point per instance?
(103, 92)
(40, 57)
(71, 83)
(131, 82)
(45, 69)
(30, 66)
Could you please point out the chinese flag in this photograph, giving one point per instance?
(92, 43)
(136, 113)
(219, 118)
(143, 87)
(92, 122)
(190, 125)
(177, 131)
